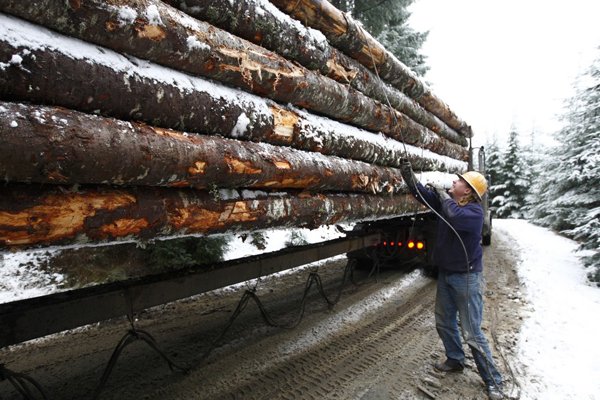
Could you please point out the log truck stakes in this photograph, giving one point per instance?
(143, 119)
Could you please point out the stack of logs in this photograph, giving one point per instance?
(135, 119)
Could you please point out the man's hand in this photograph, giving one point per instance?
(442, 193)
(407, 174)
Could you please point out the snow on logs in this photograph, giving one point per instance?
(277, 31)
(349, 36)
(68, 147)
(51, 65)
(156, 32)
(201, 151)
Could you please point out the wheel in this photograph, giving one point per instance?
(486, 240)
(431, 271)
(364, 264)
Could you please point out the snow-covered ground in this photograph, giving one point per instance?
(558, 343)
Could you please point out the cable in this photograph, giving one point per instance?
(20, 382)
(250, 294)
(132, 336)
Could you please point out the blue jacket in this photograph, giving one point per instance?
(467, 221)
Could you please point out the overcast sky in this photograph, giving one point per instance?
(496, 63)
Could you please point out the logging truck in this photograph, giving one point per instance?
(140, 120)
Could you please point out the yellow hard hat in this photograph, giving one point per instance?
(476, 181)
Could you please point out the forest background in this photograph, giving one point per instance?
(554, 185)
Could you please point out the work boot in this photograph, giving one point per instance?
(495, 392)
(449, 365)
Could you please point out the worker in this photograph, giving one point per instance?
(459, 285)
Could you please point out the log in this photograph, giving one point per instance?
(55, 145)
(51, 65)
(348, 36)
(154, 31)
(262, 23)
(32, 215)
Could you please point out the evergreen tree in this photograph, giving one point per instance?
(534, 156)
(545, 209)
(493, 168)
(511, 199)
(572, 202)
(387, 21)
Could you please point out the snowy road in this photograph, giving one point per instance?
(558, 340)
(377, 343)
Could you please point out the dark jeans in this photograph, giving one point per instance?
(459, 295)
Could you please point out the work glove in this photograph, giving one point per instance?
(408, 175)
(442, 194)
(440, 191)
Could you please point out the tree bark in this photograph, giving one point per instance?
(348, 36)
(54, 215)
(112, 85)
(55, 145)
(263, 24)
(171, 38)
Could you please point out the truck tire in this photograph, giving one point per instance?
(431, 271)
(364, 264)
(486, 239)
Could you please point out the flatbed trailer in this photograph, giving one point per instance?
(33, 318)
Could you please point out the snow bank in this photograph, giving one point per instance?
(558, 344)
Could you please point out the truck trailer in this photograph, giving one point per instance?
(148, 120)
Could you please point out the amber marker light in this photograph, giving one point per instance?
(420, 245)
(411, 245)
